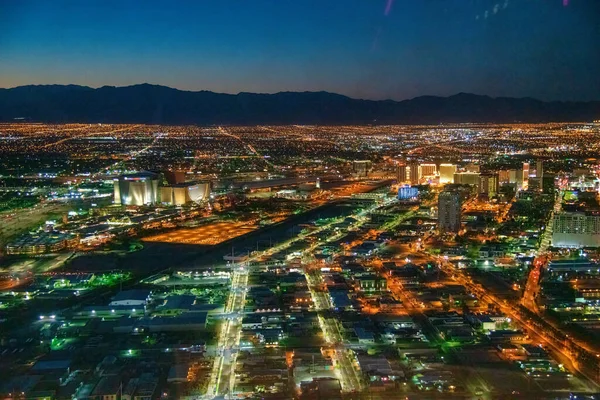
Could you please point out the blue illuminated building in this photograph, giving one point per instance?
(408, 192)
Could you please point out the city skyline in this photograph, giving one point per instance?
(371, 50)
(456, 259)
(299, 200)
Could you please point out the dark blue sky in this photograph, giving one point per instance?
(548, 49)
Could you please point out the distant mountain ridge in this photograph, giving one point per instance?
(153, 104)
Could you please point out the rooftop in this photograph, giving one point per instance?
(178, 302)
(134, 294)
(108, 385)
(51, 365)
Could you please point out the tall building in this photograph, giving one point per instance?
(539, 173)
(137, 189)
(413, 173)
(516, 176)
(548, 186)
(408, 192)
(534, 184)
(447, 173)
(427, 170)
(539, 168)
(183, 193)
(503, 176)
(402, 173)
(525, 172)
(488, 184)
(471, 167)
(362, 168)
(449, 211)
(576, 229)
(467, 178)
(174, 177)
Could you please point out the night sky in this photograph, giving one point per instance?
(375, 49)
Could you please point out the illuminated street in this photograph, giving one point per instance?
(289, 200)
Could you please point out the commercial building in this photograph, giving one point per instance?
(402, 171)
(135, 297)
(449, 211)
(184, 193)
(473, 168)
(186, 322)
(467, 178)
(23, 384)
(41, 242)
(581, 172)
(511, 176)
(573, 266)
(488, 184)
(304, 192)
(576, 229)
(108, 388)
(372, 282)
(52, 367)
(137, 189)
(414, 173)
(364, 336)
(377, 371)
(447, 172)
(427, 170)
(515, 176)
(179, 373)
(503, 176)
(362, 168)
(174, 177)
(322, 389)
(141, 388)
(548, 184)
(534, 184)
(408, 192)
(539, 169)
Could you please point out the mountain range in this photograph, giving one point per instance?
(153, 104)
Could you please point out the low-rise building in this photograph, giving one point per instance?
(340, 299)
(141, 388)
(576, 266)
(322, 389)
(378, 371)
(364, 336)
(372, 282)
(41, 243)
(179, 373)
(134, 298)
(108, 388)
(506, 336)
(312, 362)
(180, 323)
